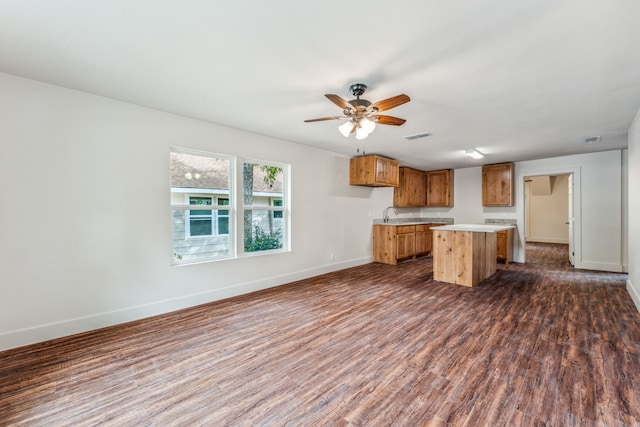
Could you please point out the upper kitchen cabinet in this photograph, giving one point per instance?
(412, 188)
(440, 188)
(374, 171)
(497, 185)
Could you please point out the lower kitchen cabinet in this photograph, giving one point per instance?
(423, 244)
(405, 241)
(393, 243)
(503, 241)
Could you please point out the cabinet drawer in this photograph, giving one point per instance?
(402, 229)
(422, 228)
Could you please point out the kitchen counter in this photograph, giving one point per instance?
(413, 221)
(477, 228)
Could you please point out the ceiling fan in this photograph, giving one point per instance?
(362, 115)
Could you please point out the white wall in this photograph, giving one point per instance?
(633, 166)
(86, 225)
(597, 205)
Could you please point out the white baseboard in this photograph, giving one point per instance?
(73, 326)
(534, 239)
(634, 294)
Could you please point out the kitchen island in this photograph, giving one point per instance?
(465, 254)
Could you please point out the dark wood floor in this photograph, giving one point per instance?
(536, 344)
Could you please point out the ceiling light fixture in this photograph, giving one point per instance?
(361, 126)
(474, 153)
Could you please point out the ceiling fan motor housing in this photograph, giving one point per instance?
(357, 89)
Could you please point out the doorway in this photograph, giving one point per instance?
(550, 210)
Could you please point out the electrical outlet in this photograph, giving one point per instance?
(331, 257)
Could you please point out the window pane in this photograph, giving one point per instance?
(260, 232)
(200, 180)
(259, 180)
(223, 225)
(199, 200)
(277, 214)
(199, 171)
(186, 250)
(200, 227)
(200, 213)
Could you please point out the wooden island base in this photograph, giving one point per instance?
(463, 257)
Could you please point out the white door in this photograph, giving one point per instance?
(571, 221)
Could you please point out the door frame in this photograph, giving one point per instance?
(519, 250)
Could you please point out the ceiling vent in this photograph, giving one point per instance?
(416, 136)
(592, 139)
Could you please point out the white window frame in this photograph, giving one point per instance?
(285, 208)
(205, 192)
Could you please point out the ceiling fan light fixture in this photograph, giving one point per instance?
(473, 153)
(346, 128)
(361, 114)
(361, 133)
(367, 125)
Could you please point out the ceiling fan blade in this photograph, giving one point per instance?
(388, 120)
(325, 118)
(389, 103)
(340, 102)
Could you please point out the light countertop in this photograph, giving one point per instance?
(413, 221)
(478, 228)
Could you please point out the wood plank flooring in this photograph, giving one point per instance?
(536, 344)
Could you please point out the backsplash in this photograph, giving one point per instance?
(501, 221)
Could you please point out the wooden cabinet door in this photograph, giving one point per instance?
(411, 189)
(502, 245)
(386, 171)
(440, 188)
(422, 243)
(384, 244)
(406, 245)
(497, 185)
(373, 171)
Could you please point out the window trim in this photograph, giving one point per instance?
(235, 208)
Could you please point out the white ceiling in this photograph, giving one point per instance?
(516, 80)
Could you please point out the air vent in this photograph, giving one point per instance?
(592, 139)
(417, 135)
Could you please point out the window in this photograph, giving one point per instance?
(223, 217)
(204, 222)
(263, 190)
(200, 186)
(201, 220)
(277, 203)
(217, 214)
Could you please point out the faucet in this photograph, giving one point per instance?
(385, 213)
